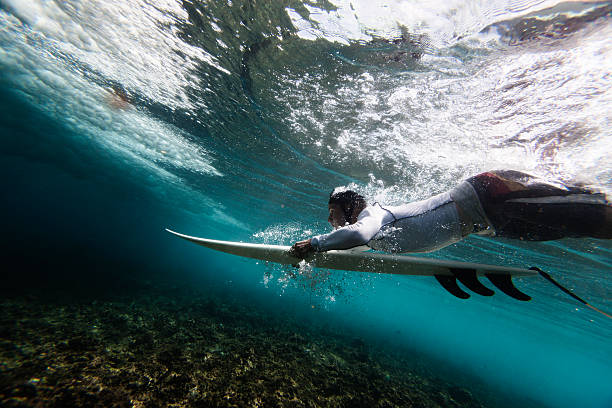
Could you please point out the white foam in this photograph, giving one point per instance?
(543, 110)
(88, 109)
(132, 42)
(443, 21)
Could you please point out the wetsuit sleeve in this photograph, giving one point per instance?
(360, 233)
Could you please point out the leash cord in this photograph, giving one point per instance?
(564, 289)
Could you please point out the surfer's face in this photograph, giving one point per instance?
(336, 218)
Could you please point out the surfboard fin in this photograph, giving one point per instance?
(450, 284)
(504, 283)
(469, 279)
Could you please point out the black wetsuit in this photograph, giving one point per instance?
(520, 206)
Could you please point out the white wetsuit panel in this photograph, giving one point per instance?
(422, 226)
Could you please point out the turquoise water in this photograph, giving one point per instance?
(240, 117)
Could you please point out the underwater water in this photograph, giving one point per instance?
(234, 120)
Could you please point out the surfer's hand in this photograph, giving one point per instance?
(302, 249)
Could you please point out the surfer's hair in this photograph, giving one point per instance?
(348, 200)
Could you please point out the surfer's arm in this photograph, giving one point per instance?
(350, 236)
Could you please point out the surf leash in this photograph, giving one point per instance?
(564, 289)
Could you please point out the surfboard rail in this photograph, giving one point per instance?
(447, 272)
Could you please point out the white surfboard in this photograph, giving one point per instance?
(355, 261)
(446, 271)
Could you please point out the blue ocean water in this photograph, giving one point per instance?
(234, 120)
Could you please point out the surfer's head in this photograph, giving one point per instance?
(344, 207)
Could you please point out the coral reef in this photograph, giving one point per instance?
(167, 346)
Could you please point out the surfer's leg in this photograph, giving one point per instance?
(554, 217)
(606, 230)
(522, 207)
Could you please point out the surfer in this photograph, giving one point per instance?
(503, 203)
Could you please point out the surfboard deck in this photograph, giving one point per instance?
(370, 262)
